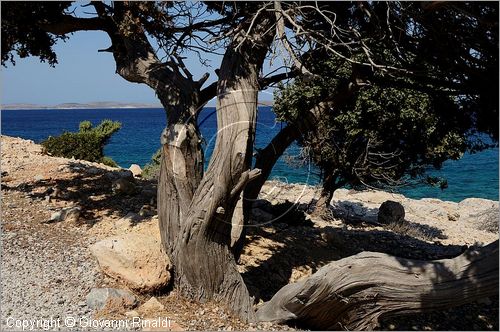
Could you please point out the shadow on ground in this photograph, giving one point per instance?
(91, 188)
(298, 249)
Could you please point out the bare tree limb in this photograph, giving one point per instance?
(355, 292)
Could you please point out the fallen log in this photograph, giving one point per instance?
(355, 292)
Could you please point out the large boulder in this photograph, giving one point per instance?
(135, 259)
(391, 212)
(481, 213)
(98, 298)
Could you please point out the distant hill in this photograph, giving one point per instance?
(98, 104)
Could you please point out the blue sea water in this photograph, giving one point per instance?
(472, 176)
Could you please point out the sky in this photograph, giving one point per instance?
(84, 75)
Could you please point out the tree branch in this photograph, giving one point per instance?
(355, 292)
(70, 24)
(211, 91)
(266, 81)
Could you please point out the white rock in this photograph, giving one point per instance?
(152, 305)
(136, 170)
(71, 214)
(38, 177)
(135, 259)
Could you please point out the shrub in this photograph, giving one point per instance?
(108, 162)
(152, 169)
(86, 144)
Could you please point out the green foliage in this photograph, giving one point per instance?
(108, 162)
(380, 135)
(86, 144)
(152, 169)
(23, 33)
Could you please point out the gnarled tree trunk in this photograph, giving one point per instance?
(181, 171)
(330, 184)
(204, 265)
(355, 292)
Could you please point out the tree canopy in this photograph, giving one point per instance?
(379, 136)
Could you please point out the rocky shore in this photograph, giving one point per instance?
(67, 226)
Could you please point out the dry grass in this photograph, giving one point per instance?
(412, 230)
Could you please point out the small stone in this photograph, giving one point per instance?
(56, 193)
(123, 186)
(152, 305)
(136, 170)
(38, 177)
(56, 217)
(71, 214)
(98, 298)
(93, 170)
(147, 211)
(132, 313)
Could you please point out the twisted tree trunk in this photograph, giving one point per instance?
(355, 292)
(204, 265)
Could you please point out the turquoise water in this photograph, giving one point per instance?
(472, 176)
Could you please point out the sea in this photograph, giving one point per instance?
(474, 175)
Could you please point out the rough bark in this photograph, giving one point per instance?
(204, 265)
(330, 184)
(355, 292)
(323, 202)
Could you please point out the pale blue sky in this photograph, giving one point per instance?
(83, 75)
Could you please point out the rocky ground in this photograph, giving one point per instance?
(54, 210)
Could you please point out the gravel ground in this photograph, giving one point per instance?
(46, 269)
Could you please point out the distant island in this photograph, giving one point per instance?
(98, 105)
(91, 105)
